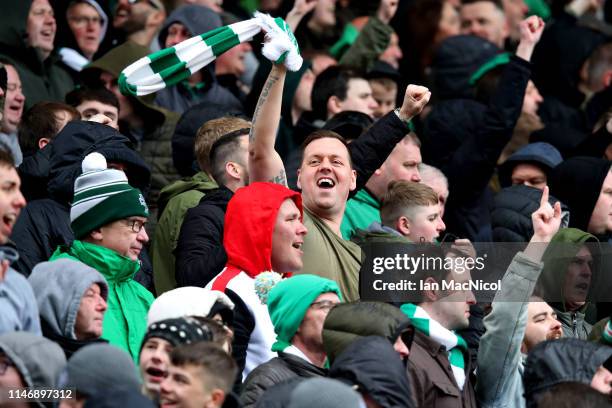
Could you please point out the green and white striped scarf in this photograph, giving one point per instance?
(454, 343)
(172, 65)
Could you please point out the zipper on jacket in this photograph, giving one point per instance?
(574, 323)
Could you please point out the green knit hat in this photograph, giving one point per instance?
(290, 299)
(101, 196)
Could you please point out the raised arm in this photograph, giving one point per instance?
(265, 164)
(499, 354)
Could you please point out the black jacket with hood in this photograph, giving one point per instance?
(197, 20)
(372, 365)
(42, 80)
(512, 209)
(199, 252)
(464, 139)
(44, 224)
(557, 361)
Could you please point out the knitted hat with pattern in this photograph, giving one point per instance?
(101, 196)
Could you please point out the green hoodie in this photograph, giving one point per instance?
(41, 79)
(125, 320)
(562, 249)
(174, 201)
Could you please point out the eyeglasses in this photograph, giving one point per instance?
(135, 225)
(151, 3)
(83, 21)
(324, 304)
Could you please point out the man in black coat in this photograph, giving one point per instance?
(45, 224)
(465, 139)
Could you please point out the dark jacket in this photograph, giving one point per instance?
(276, 371)
(279, 395)
(556, 361)
(579, 174)
(348, 322)
(372, 365)
(464, 139)
(183, 139)
(197, 20)
(34, 174)
(432, 378)
(42, 80)
(43, 225)
(199, 252)
(559, 56)
(512, 209)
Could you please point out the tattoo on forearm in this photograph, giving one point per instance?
(263, 97)
(280, 178)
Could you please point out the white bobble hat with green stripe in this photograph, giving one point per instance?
(172, 65)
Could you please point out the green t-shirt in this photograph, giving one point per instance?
(328, 255)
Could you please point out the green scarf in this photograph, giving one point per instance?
(125, 320)
(454, 343)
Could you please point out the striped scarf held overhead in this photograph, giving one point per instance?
(172, 65)
(454, 343)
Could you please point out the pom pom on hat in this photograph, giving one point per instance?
(264, 282)
(94, 162)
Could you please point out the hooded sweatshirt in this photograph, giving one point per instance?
(249, 225)
(72, 55)
(559, 254)
(557, 361)
(583, 174)
(372, 365)
(174, 201)
(41, 79)
(125, 320)
(541, 154)
(59, 287)
(197, 20)
(18, 305)
(38, 360)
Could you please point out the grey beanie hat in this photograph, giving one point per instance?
(324, 393)
(100, 367)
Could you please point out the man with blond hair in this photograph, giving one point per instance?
(182, 195)
(221, 149)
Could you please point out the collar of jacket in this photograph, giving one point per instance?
(431, 346)
(365, 196)
(114, 267)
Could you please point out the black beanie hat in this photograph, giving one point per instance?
(179, 331)
(577, 182)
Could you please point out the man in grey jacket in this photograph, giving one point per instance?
(17, 303)
(72, 300)
(518, 321)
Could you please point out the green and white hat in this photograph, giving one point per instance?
(101, 196)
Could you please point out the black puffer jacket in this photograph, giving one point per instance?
(512, 209)
(464, 139)
(376, 369)
(279, 369)
(557, 361)
(199, 252)
(34, 174)
(45, 224)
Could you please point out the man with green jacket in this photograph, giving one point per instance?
(108, 218)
